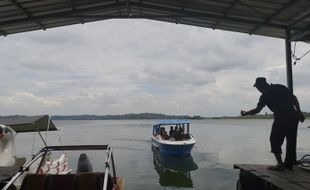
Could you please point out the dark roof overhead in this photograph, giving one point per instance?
(260, 17)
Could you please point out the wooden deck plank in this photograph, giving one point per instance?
(295, 175)
(307, 185)
(296, 179)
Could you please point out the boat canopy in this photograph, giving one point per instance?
(172, 122)
(23, 124)
(180, 122)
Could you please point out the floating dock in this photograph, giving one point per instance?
(257, 177)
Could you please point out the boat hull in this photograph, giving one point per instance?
(180, 148)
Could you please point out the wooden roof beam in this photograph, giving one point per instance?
(167, 12)
(119, 7)
(176, 12)
(66, 14)
(29, 15)
(225, 13)
(128, 8)
(282, 9)
(307, 14)
(73, 7)
(2, 33)
(300, 36)
(251, 8)
(140, 8)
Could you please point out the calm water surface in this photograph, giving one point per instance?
(220, 144)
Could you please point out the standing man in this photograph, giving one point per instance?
(285, 106)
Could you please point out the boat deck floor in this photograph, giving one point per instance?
(257, 176)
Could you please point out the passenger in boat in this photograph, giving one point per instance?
(182, 135)
(285, 106)
(84, 164)
(164, 134)
(176, 129)
(176, 132)
(171, 132)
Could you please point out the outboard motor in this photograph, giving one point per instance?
(84, 164)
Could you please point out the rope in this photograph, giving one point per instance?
(33, 143)
(59, 138)
(48, 127)
(304, 161)
(298, 58)
(307, 155)
(304, 54)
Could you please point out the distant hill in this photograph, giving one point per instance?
(124, 116)
(158, 116)
(258, 116)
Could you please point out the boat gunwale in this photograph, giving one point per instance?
(176, 143)
(41, 154)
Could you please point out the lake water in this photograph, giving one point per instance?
(220, 144)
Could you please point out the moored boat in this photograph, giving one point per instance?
(179, 141)
(79, 180)
(10, 126)
(43, 171)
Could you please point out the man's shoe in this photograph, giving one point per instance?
(288, 166)
(280, 168)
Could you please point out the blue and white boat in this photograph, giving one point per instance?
(177, 142)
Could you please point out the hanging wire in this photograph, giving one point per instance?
(59, 138)
(304, 161)
(33, 143)
(298, 58)
(47, 127)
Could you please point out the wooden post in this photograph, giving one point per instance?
(288, 50)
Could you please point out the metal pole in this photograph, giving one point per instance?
(288, 50)
(107, 168)
(113, 168)
(42, 138)
(188, 128)
(22, 170)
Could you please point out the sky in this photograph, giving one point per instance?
(139, 66)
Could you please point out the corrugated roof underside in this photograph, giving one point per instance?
(261, 17)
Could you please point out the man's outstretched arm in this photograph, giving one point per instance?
(301, 117)
(252, 111)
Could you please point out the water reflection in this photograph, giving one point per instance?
(173, 171)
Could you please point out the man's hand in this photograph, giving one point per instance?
(301, 117)
(243, 113)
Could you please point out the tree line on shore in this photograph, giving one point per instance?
(124, 116)
(158, 116)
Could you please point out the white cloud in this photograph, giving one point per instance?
(27, 103)
(132, 66)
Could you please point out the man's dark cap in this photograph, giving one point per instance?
(260, 81)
